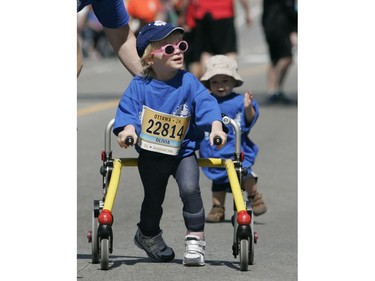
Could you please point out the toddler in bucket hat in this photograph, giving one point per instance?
(154, 31)
(221, 65)
(220, 78)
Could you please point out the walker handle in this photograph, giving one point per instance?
(129, 140)
(218, 140)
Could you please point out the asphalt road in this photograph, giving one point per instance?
(100, 86)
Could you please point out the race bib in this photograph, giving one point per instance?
(162, 132)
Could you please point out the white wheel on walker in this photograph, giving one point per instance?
(104, 253)
(94, 241)
(251, 250)
(252, 237)
(244, 254)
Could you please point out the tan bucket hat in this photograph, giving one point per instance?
(221, 64)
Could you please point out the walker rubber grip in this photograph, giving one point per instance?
(218, 140)
(129, 141)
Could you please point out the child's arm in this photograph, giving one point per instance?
(129, 131)
(217, 131)
(249, 109)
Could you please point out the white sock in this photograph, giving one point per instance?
(199, 234)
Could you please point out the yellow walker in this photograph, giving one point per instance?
(101, 235)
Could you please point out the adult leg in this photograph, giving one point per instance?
(276, 75)
(79, 58)
(276, 34)
(271, 79)
(192, 56)
(205, 35)
(281, 70)
(203, 59)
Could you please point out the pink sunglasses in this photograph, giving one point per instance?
(169, 49)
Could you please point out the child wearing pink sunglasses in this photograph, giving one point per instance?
(167, 111)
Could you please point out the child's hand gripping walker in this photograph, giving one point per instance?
(101, 235)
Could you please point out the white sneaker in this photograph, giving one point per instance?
(194, 251)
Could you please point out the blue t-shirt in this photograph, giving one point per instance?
(183, 95)
(232, 106)
(110, 13)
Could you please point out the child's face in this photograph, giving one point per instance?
(164, 63)
(222, 85)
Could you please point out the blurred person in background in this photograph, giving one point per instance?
(215, 32)
(93, 40)
(185, 12)
(143, 12)
(279, 21)
(115, 21)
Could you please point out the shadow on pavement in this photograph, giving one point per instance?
(117, 261)
(263, 99)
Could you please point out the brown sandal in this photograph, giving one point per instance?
(259, 207)
(217, 214)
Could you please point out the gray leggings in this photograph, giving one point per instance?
(155, 170)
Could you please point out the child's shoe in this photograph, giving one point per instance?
(259, 207)
(217, 214)
(155, 247)
(194, 251)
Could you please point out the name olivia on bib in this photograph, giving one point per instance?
(162, 132)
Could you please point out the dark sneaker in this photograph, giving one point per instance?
(194, 251)
(155, 247)
(279, 97)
